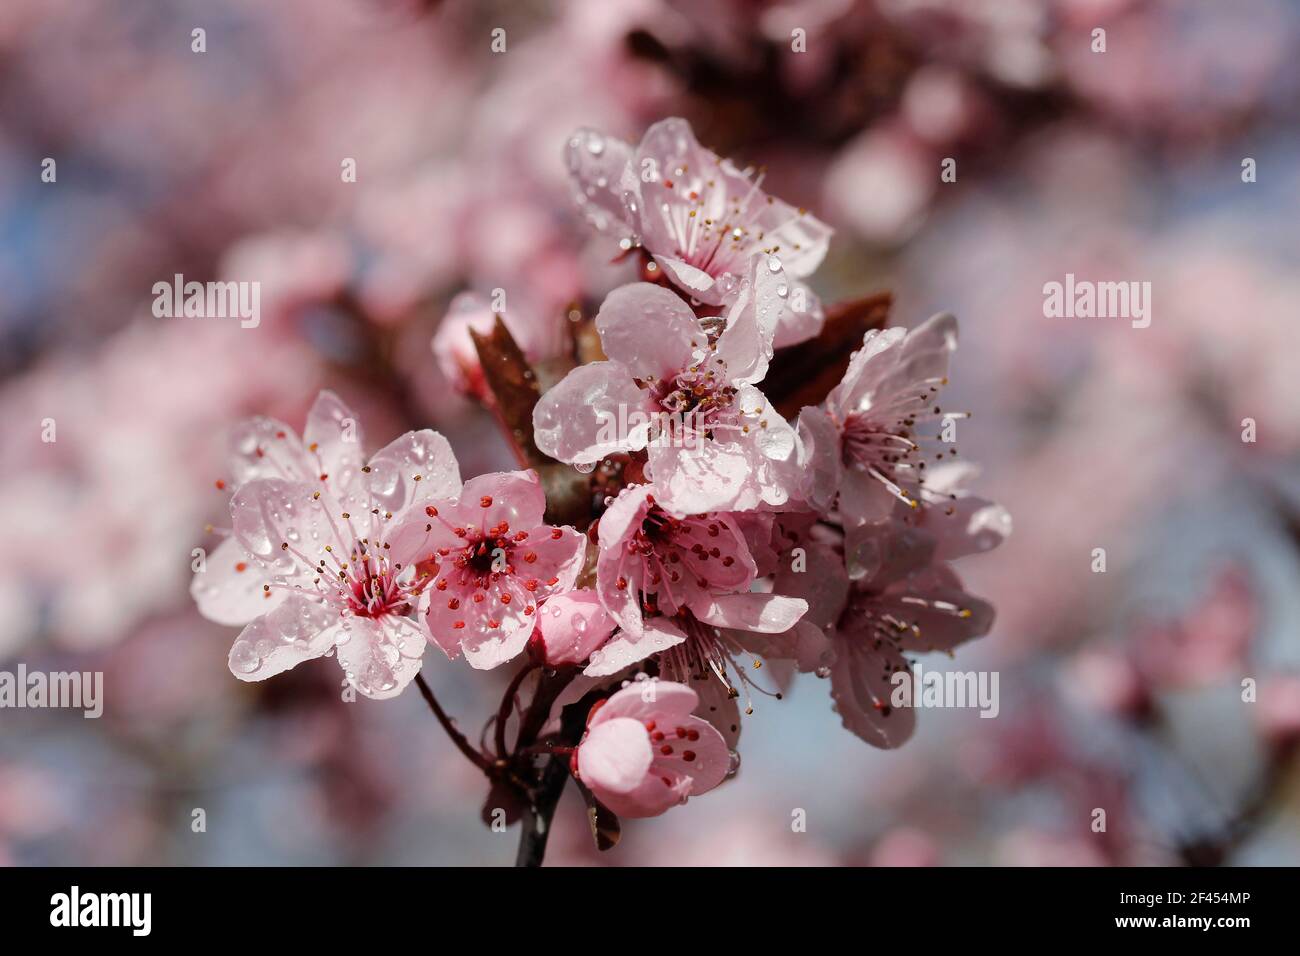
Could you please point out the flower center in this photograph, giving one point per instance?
(371, 589)
(883, 441)
(713, 230)
(486, 556)
(675, 557)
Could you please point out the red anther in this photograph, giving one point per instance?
(453, 604)
(478, 597)
(458, 625)
(688, 755)
(241, 567)
(557, 533)
(485, 501)
(221, 485)
(530, 557)
(505, 599)
(431, 511)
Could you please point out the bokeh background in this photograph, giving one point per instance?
(1120, 690)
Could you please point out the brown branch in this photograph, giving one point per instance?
(449, 726)
(514, 390)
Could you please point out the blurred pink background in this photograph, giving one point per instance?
(1120, 690)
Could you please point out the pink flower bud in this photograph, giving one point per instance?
(570, 626)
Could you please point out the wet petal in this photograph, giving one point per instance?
(380, 657)
(230, 590)
(596, 410)
(862, 685)
(649, 330)
(297, 630)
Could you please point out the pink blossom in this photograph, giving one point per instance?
(861, 440)
(682, 388)
(680, 589)
(905, 603)
(570, 626)
(644, 752)
(960, 523)
(315, 561)
(495, 561)
(860, 450)
(703, 220)
(652, 560)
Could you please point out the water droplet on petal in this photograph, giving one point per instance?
(733, 763)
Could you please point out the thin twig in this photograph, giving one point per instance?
(508, 705)
(449, 726)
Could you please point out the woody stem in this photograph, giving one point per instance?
(463, 745)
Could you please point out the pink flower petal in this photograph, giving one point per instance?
(820, 458)
(274, 520)
(623, 649)
(573, 625)
(615, 756)
(561, 553)
(380, 657)
(230, 589)
(745, 344)
(596, 163)
(297, 630)
(802, 319)
(578, 420)
(513, 497)
(417, 467)
(649, 330)
(268, 448)
(335, 433)
(862, 689)
(753, 611)
(498, 631)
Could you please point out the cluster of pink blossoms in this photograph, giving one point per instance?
(740, 538)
